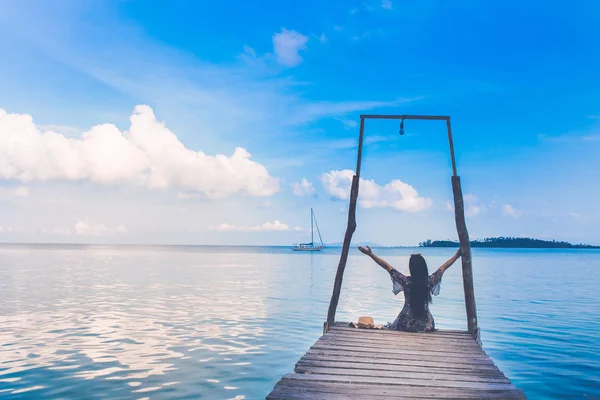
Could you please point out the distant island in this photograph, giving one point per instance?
(510, 243)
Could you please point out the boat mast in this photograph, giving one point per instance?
(312, 240)
(318, 231)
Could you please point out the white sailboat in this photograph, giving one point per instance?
(311, 246)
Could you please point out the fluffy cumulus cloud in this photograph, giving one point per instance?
(287, 45)
(395, 194)
(266, 227)
(87, 228)
(148, 154)
(303, 188)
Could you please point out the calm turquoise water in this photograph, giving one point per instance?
(226, 323)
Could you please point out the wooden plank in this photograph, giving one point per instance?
(402, 341)
(362, 390)
(293, 393)
(353, 357)
(319, 393)
(312, 390)
(433, 346)
(401, 352)
(403, 376)
(408, 353)
(380, 380)
(474, 372)
(436, 347)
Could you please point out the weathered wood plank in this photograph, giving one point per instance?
(408, 351)
(379, 380)
(362, 390)
(400, 353)
(448, 370)
(385, 358)
(315, 390)
(393, 335)
(400, 339)
(349, 358)
(401, 375)
(318, 393)
(445, 347)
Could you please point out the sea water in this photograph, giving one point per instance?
(227, 322)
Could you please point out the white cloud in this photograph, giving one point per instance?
(287, 45)
(473, 210)
(395, 194)
(303, 188)
(449, 206)
(84, 228)
(147, 154)
(20, 191)
(266, 227)
(323, 38)
(510, 211)
(574, 215)
(386, 4)
(473, 206)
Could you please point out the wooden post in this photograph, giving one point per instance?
(465, 245)
(337, 284)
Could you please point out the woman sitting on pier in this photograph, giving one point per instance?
(418, 288)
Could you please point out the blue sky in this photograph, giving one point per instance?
(286, 82)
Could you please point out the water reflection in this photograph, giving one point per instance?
(220, 323)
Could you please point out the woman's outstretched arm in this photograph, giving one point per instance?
(381, 262)
(448, 263)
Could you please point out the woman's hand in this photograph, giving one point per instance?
(365, 250)
(458, 253)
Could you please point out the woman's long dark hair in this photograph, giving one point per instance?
(419, 293)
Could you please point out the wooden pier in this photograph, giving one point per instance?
(351, 363)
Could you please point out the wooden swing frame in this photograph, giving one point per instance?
(459, 216)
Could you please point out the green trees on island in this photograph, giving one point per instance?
(510, 242)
